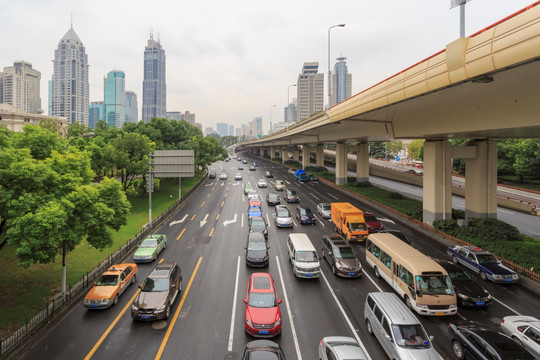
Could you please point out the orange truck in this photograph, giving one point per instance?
(349, 221)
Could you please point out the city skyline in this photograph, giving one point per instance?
(218, 58)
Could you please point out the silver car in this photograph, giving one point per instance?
(340, 348)
(325, 210)
(282, 216)
(262, 183)
(238, 176)
(524, 329)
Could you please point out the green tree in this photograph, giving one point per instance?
(527, 158)
(377, 149)
(393, 147)
(414, 149)
(40, 141)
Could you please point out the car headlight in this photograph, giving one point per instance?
(339, 266)
(453, 306)
(464, 297)
(422, 306)
(161, 308)
(249, 322)
(277, 322)
(515, 276)
(86, 302)
(134, 307)
(265, 258)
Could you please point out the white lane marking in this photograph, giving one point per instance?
(370, 279)
(506, 306)
(242, 221)
(387, 220)
(203, 221)
(178, 221)
(314, 196)
(227, 222)
(319, 221)
(535, 233)
(353, 330)
(222, 183)
(231, 332)
(209, 184)
(267, 220)
(505, 211)
(333, 196)
(293, 329)
(287, 182)
(294, 222)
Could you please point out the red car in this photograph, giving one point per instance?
(373, 224)
(262, 316)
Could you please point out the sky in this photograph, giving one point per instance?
(231, 61)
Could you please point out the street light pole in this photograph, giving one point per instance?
(64, 272)
(269, 132)
(329, 72)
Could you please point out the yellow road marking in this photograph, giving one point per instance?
(213, 188)
(182, 233)
(202, 204)
(217, 217)
(211, 232)
(106, 333)
(207, 196)
(173, 321)
(193, 217)
(226, 194)
(222, 203)
(227, 188)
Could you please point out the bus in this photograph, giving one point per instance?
(422, 283)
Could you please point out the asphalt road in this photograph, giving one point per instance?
(207, 239)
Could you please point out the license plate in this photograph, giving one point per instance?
(145, 317)
(439, 314)
(94, 306)
(309, 274)
(351, 274)
(263, 332)
(507, 280)
(481, 303)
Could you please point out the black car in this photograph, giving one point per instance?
(211, 175)
(291, 196)
(256, 250)
(272, 199)
(305, 215)
(401, 236)
(475, 341)
(262, 350)
(258, 224)
(468, 292)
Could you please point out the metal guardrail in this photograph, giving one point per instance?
(59, 303)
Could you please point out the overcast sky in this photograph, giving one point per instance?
(230, 61)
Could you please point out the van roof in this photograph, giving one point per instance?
(301, 242)
(394, 308)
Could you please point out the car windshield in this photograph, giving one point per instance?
(279, 182)
(283, 213)
(344, 253)
(459, 275)
(107, 280)
(256, 245)
(370, 218)
(486, 259)
(434, 284)
(155, 285)
(410, 335)
(357, 226)
(326, 207)
(149, 244)
(257, 223)
(272, 196)
(292, 193)
(306, 256)
(262, 300)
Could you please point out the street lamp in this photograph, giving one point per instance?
(269, 132)
(90, 134)
(329, 77)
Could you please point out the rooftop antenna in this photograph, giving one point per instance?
(72, 19)
(151, 33)
(158, 38)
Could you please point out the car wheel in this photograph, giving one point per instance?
(408, 303)
(483, 275)
(458, 350)
(376, 272)
(168, 311)
(116, 299)
(165, 245)
(133, 279)
(369, 328)
(454, 260)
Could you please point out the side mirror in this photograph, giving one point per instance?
(431, 338)
(388, 337)
(268, 248)
(418, 293)
(95, 283)
(140, 286)
(279, 301)
(245, 301)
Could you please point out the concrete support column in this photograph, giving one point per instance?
(296, 154)
(319, 155)
(261, 151)
(284, 154)
(272, 152)
(341, 163)
(305, 155)
(362, 162)
(481, 181)
(437, 181)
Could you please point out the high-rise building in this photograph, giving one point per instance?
(189, 117)
(222, 129)
(257, 126)
(132, 107)
(154, 86)
(95, 113)
(291, 113)
(14, 91)
(208, 131)
(231, 130)
(173, 115)
(32, 78)
(341, 82)
(310, 90)
(115, 98)
(70, 90)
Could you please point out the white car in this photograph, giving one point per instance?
(223, 176)
(325, 210)
(340, 348)
(524, 329)
(238, 176)
(262, 183)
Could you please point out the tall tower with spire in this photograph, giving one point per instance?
(154, 86)
(70, 87)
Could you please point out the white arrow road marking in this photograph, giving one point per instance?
(204, 220)
(178, 221)
(227, 222)
(222, 183)
(236, 184)
(387, 220)
(209, 184)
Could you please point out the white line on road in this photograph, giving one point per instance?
(294, 222)
(534, 233)
(506, 306)
(319, 221)
(333, 196)
(267, 220)
(314, 196)
(242, 222)
(353, 330)
(506, 211)
(293, 329)
(231, 332)
(287, 182)
(387, 220)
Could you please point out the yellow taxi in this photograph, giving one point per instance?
(111, 284)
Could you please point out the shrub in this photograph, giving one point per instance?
(292, 163)
(316, 168)
(395, 196)
(361, 184)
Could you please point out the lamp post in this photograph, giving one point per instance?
(269, 132)
(288, 112)
(90, 134)
(329, 73)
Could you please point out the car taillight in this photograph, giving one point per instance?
(320, 343)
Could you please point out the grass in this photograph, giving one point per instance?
(23, 292)
(530, 183)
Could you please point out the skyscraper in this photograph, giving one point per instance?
(291, 113)
(222, 129)
(14, 90)
(154, 87)
(32, 78)
(95, 113)
(115, 98)
(70, 90)
(310, 90)
(132, 107)
(341, 82)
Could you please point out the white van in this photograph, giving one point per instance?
(400, 333)
(303, 256)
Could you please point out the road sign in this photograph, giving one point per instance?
(174, 163)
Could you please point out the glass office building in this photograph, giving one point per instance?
(115, 98)
(154, 86)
